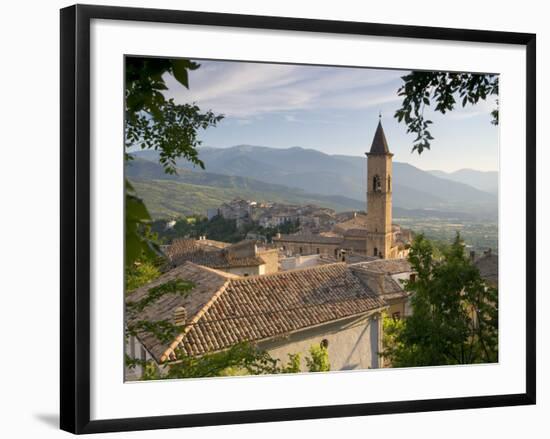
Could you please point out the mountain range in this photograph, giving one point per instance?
(308, 173)
(483, 180)
(191, 192)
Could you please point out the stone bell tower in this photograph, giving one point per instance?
(379, 196)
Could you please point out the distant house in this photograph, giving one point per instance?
(170, 225)
(283, 313)
(245, 258)
(308, 244)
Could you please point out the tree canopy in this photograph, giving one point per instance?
(422, 89)
(155, 122)
(454, 313)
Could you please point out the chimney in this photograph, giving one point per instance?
(472, 255)
(375, 281)
(380, 280)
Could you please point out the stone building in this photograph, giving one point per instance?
(245, 258)
(282, 313)
(372, 234)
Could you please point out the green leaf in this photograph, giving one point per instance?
(180, 71)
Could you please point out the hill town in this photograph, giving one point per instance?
(286, 277)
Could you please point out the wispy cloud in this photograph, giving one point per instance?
(482, 108)
(243, 90)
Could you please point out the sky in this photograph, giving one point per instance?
(331, 109)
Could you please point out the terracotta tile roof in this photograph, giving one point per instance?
(359, 221)
(306, 238)
(262, 307)
(208, 283)
(389, 266)
(378, 276)
(362, 232)
(190, 250)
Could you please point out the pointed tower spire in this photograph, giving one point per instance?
(379, 143)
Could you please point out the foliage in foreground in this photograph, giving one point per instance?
(241, 359)
(140, 273)
(154, 122)
(421, 89)
(454, 313)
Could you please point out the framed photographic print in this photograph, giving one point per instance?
(272, 218)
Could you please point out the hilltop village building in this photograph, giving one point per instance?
(267, 215)
(246, 258)
(372, 234)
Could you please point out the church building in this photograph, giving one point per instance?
(372, 235)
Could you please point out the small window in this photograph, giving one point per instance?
(324, 343)
(375, 251)
(246, 275)
(412, 277)
(396, 315)
(318, 251)
(376, 184)
(300, 250)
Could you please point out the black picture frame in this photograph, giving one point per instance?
(75, 217)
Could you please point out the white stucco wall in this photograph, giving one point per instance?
(246, 271)
(299, 262)
(352, 344)
(135, 350)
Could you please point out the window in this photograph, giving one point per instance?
(389, 183)
(412, 277)
(318, 250)
(324, 343)
(300, 250)
(396, 315)
(376, 185)
(375, 251)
